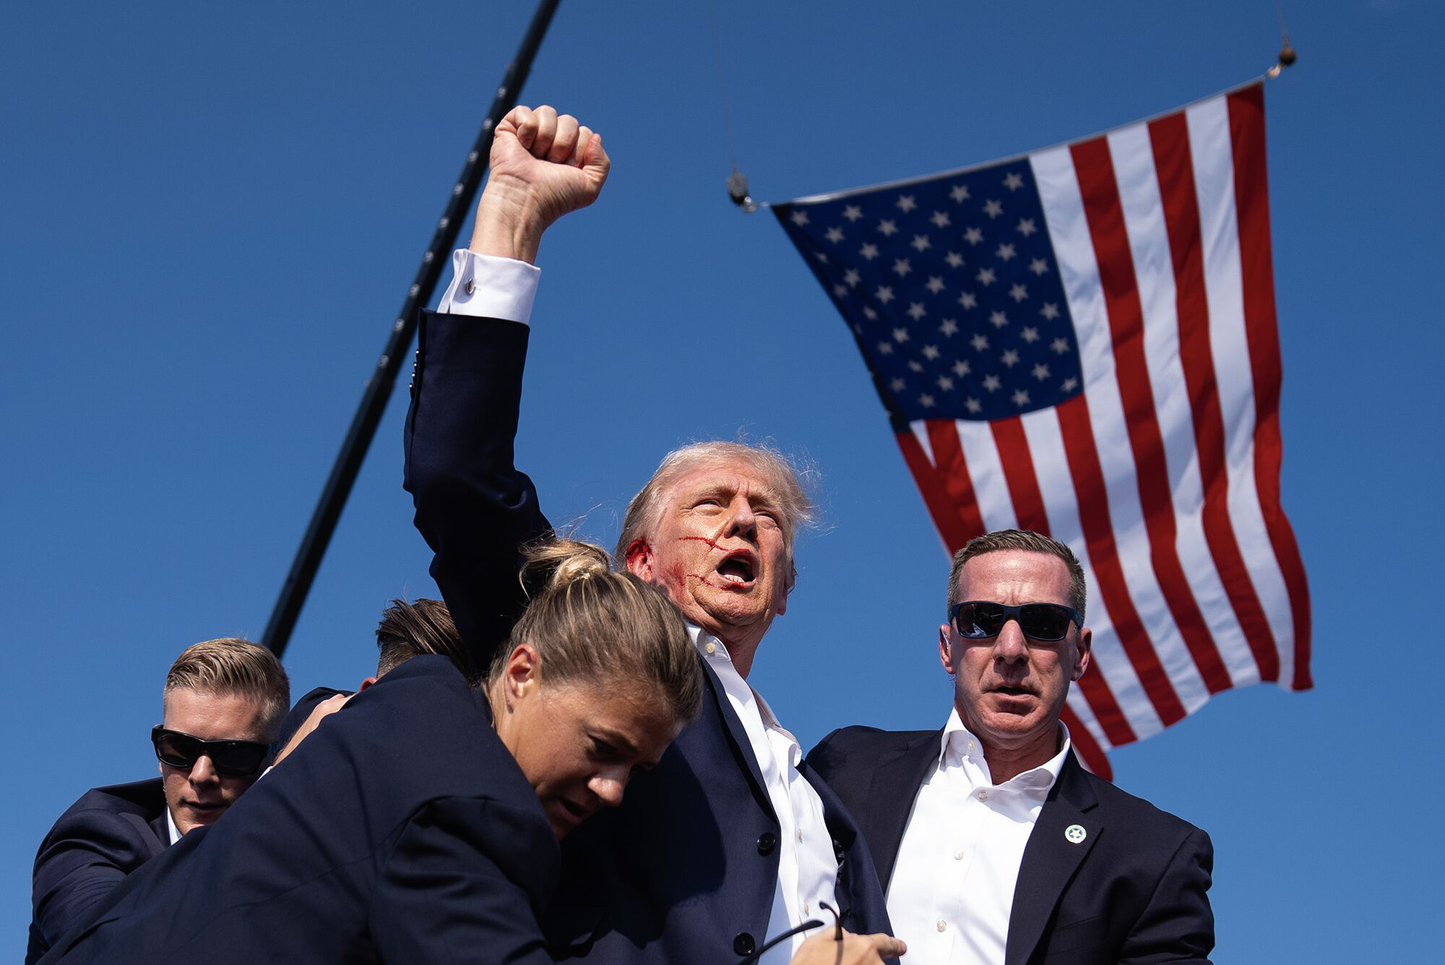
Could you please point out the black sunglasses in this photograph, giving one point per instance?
(1044, 622)
(231, 758)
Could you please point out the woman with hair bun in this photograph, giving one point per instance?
(420, 823)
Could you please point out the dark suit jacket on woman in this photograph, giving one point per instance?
(98, 841)
(685, 870)
(1132, 890)
(400, 831)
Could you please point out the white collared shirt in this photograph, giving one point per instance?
(171, 829)
(807, 868)
(953, 882)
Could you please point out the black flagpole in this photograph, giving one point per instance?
(383, 378)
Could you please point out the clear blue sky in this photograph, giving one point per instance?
(211, 213)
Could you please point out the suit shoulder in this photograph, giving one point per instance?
(859, 737)
(1147, 819)
(848, 745)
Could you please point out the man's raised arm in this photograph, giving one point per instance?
(473, 506)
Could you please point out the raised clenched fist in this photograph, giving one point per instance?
(543, 165)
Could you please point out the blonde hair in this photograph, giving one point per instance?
(591, 625)
(232, 667)
(1021, 539)
(795, 509)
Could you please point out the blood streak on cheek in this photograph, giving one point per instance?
(704, 581)
(703, 539)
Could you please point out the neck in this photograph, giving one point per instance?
(742, 646)
(1008, 762)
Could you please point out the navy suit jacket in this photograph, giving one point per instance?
(400, 831)
(101, 838)
(1134, 890)
(685, 870)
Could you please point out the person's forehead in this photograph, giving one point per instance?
(1040, 575)
(728, 474)
(192, 710)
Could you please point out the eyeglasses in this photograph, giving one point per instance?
(231, 758)
(1044, 622)
(753, 957)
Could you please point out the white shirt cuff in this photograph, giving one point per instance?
(488, 286)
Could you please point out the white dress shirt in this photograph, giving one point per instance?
(953, 882)
(807, 868)
(171, 830)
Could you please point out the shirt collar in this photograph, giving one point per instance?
(959, 739)
(171, 829)
(715, 652)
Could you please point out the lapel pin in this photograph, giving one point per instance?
(1075, 834)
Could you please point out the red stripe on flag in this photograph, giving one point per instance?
(1104, 211)
(1023, 483)
(1018, 472)
(951, 526)
(1175, 168)
(1251, 205)
(953, 472)
(1084, 743)
(1098, 527)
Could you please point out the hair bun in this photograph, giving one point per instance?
(559, 562)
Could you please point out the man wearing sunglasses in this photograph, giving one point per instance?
(1006, 851)
(222, 703)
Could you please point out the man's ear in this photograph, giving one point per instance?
(945, 649)
(641, 562)
(1085, 648)
(368, 682)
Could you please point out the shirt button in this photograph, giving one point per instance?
(800, 835)
(806, 908)
(983, 795)
(970, 745)
(710, 649)
(942, 924)
(471, 285)
(958, 855)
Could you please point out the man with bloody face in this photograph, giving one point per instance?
(731, 840)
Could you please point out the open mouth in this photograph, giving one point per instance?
(573, 812)
(738, 569)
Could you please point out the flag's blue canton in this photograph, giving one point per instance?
(953, 290)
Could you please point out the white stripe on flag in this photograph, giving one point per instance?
(990, 488)
(1133, 157)
(1074, 248)
(1046, 444)
(1210, 145)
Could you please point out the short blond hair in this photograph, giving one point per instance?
(231, 667)
(1029, 541)
(795, 508)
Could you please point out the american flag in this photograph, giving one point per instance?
(1081, 341)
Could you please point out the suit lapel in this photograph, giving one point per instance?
(1051, 857)
(742, 745)
(890, 799)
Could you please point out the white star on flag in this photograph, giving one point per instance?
(906, 203)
